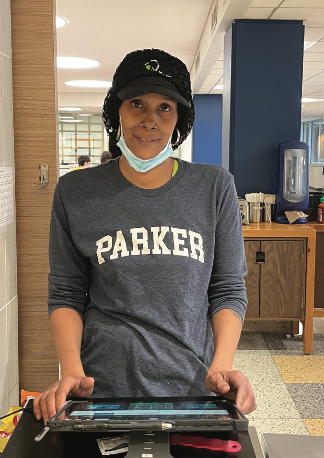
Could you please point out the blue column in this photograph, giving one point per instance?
(207, 129)
(263, 67)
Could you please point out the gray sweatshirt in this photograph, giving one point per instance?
(147, 268)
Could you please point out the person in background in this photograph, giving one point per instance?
(146, 288)
(84, 163)
(106, 156)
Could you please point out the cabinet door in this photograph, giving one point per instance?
(282, 279)
(319, 271)
(252, 278)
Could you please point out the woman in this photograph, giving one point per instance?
(147, 257)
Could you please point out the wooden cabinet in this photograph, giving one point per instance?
(276, 280)
(280, 282)
(319, 269)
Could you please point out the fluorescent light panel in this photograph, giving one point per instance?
(306, 99)
(71, 120)
(69, 109)
(76, 62)
(89, 83)
(60, 21)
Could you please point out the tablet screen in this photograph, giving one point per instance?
(156, 409)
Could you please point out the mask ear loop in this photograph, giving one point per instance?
(119, 131)
(178, 137)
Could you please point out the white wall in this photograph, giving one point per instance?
(8, 254)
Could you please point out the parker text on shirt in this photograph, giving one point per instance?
(185, 243)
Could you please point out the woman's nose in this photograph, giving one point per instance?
(148, 121)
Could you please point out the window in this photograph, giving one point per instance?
(313, 134)
(80, 135)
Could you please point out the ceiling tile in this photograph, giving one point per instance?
(317, 47)
(311, 73)
(216, 71)
(221, 56)
(314, 33)
(258, 13)
(317, 78)
(313, 89)
(313, 65)
(265, 3)
(303, 4)
(313, 57)
(313, 111)
(314, 15)
(316, 94)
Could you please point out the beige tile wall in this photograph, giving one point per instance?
(9, 395)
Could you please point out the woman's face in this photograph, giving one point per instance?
(148, 122)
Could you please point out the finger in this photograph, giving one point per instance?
(64, 388)
(43, 406)
(86, 386)
(37, 409)
(249, 404)
(245, 399)
(217, 384)
(50, 404)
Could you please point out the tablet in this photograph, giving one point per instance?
(208, 413)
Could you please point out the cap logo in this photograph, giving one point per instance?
(154, 66)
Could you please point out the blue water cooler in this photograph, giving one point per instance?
(293, 191)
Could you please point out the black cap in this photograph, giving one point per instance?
(151, 85)
(152, 71)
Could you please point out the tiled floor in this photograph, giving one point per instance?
(288, 385)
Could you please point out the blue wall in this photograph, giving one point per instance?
(207, 129)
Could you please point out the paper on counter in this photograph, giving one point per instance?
(114, 445)
(293, 216)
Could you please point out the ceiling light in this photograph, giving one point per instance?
(308, 44)
(60, 21)
(76, 62)
(72, 120)
(89, 83)
(66, 117)
(69, 109)
(305, 99)
(219, 86)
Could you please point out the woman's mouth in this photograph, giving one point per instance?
(146, 140)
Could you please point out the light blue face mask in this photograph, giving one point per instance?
(143, 165)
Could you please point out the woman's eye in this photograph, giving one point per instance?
(136, 103)
(165, 108)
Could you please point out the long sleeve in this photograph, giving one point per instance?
(227, 287)
(68, 279)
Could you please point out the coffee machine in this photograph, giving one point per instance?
(293, 193)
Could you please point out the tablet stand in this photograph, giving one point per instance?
(148, 444)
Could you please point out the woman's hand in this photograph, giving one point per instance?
(232, 385)
(53, 399)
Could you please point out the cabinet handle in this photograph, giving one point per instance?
(260, 257)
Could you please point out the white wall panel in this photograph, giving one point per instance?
(5, 26)
(12, 343)
(8, 253)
